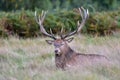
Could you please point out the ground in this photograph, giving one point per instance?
(33, 59)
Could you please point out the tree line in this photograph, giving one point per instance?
(93, 5)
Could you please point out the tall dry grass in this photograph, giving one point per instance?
(33, 59)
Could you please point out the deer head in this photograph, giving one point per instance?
(60, 43)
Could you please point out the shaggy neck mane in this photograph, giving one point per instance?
(69, 54)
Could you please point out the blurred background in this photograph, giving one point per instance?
(17, 16)
(97, 5)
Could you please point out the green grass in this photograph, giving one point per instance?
(33, 59)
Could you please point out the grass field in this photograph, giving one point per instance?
(33, 59)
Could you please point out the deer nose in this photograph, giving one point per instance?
(56, 51)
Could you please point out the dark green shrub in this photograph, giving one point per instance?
(22, 24)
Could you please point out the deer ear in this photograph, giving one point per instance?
(69, 39)
(49, 41)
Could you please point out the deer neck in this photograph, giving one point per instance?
(69, 53)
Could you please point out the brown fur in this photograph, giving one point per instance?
(69, 57)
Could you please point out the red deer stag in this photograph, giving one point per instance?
(64, 55)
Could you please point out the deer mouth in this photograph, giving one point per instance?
(57, 55)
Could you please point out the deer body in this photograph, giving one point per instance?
(64, 55)
(69, 58)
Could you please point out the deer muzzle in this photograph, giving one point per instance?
(57, 51)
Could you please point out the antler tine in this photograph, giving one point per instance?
(40, 22)
(36, 18)
(61, 33)
(51, 32)
(84, 15)
(85, 12)
(43, 16)
(61, 30)
(80, 12)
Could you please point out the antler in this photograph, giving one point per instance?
(40, 20)
(84, 15)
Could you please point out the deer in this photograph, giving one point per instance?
(65, 56)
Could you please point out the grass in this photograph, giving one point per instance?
(33, 59)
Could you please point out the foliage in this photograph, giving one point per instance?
(22, 23)
(98, 5)
(103, 23)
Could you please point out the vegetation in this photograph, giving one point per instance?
(22, 24)
(18, 18)
(93, 5)
(28, 59)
